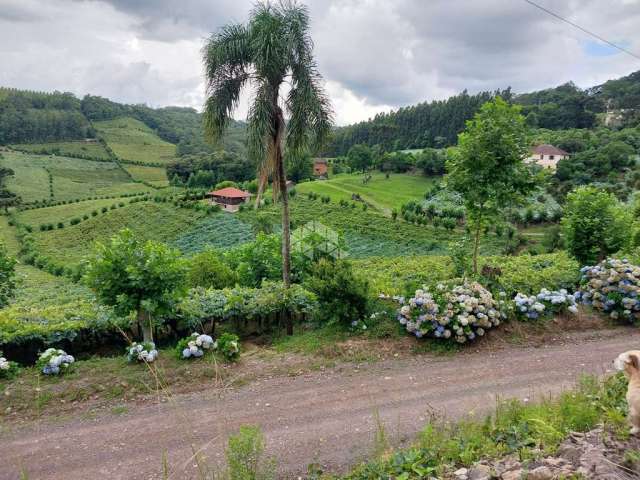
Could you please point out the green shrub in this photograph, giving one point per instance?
(595, 224)
(228, 345)
(342, 294)
(207, 269)
(75, 221)
(245, 456)
(60, 225)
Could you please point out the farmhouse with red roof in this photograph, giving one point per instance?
(547, 156)
(229, 198)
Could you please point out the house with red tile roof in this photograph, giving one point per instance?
(229, 198)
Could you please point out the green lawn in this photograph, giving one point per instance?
(382, 193)
(73, 178)
(131, 139)
(88, 149)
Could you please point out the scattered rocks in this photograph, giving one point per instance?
(592, 455)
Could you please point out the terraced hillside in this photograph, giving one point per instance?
(70, 178)
(133, 141)
(82, 148)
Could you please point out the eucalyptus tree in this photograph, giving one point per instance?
(273, 53)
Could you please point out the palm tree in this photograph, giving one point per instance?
(272, 49)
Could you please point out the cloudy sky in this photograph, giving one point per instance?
(375, 55)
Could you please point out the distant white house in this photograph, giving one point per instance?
(547, 156)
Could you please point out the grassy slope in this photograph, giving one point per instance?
(91, 149)
(155, 175)
(161, 222)
(73, 178)
(31, 180)
(131, 139)
(382, 193)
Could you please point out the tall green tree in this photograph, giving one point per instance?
(272, 49)
(487, 168)
(147, 278)
(360, 157)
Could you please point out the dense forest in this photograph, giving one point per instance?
(437, 124)
(40, 117)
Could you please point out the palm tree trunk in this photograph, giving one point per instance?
(281, 178)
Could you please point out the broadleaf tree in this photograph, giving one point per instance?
(131, 275)
(271, 50)
(487, 168)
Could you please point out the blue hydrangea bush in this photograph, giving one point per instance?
(228, 345)
(194, 346)
(612, 287)
(142, 352)
(8, 369)
(459, 312)
(544, 304)
(54, 361)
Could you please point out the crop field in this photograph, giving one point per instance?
(7, 236)
(382, 193)
(131, 139)
(64, 213)
(88, 149)
(369, 233)
(155, 175)
(150, 220)
(221, 231)
(73, 178)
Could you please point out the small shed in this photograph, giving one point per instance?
(320, 167)
(229, 198)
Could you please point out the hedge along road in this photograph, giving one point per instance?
(326, 417)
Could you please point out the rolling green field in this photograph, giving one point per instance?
(150, 220)
(381, 193)
(131, 139)
(73, 178)
(88, 149)
(154, 175)
(64, 213)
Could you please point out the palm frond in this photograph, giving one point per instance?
(227, 59)
(260, 130)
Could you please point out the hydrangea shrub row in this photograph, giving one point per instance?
(54, 361)
(545, 303)
(612, 287)
(461, 312)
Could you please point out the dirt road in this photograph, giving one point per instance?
(325, 417)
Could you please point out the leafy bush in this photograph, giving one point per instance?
(228, 345)
(142, 352)
(207, 269)
(342, 294)
(462, 312)
(54, 362)
(202, 308)
(612, 287)
(595, 224)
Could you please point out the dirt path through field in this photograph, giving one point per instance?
(325, 417)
